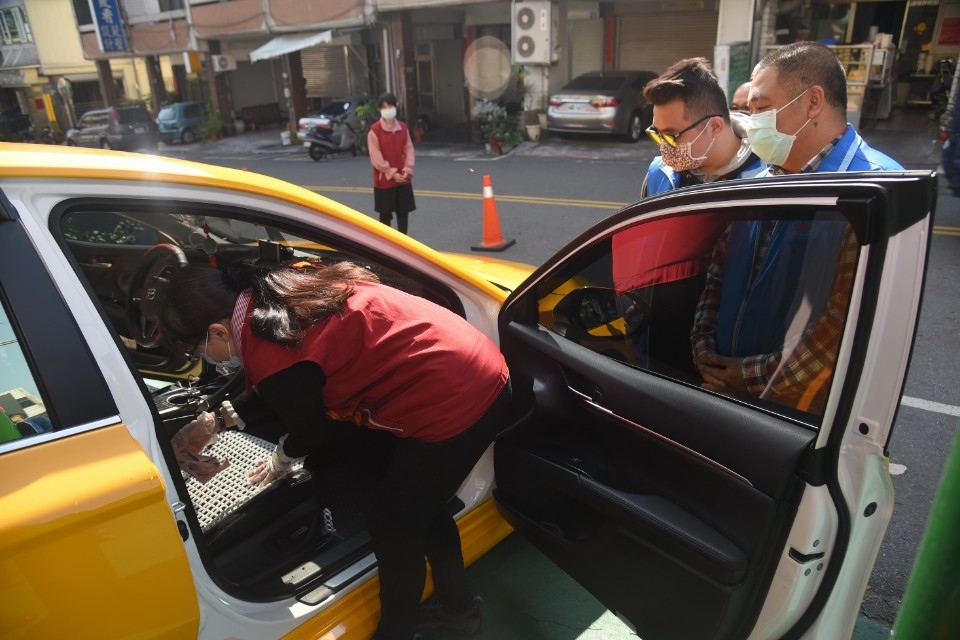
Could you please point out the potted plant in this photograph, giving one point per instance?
(490, 117)
(212, 128)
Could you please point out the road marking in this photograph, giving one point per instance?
(946, 231)
(456, 195)
(930, 405)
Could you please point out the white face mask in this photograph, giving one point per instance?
(223, 367)
(389, 113)
(770, 145)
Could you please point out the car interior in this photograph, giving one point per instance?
(291, 537)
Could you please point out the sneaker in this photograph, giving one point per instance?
(432, 616)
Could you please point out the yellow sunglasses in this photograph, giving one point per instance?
(671, 138)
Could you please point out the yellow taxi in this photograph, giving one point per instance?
(656, 492)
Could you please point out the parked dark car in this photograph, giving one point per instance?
(606, 102)
(181, 122)
(126, 128)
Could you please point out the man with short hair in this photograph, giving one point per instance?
(740, 98)
(798, 124)
(699, 139)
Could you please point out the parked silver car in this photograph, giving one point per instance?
(606, 102)
(126, 128)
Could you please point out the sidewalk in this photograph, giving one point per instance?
(913, 145)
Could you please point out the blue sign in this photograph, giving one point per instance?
(109, 25)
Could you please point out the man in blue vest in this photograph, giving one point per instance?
(747, 339)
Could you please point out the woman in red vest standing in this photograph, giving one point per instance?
(327, 349)
(391, 154)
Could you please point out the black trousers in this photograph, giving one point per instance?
(408, 520)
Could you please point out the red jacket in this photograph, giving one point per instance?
(393, 361)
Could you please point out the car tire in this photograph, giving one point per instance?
(71, 143)
(188, 136)
(105, 145)
(634, 128)
(316, 152)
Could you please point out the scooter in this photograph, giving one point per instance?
(338, 138)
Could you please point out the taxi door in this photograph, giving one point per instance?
(88, 542)
(706, 384)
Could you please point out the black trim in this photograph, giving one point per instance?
(66, 372)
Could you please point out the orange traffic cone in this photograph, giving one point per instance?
(492, 237)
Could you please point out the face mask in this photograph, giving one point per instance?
(223, 367)
(680, 158)
(770, 145)
(389, 113)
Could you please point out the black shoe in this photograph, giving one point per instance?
(432, 616)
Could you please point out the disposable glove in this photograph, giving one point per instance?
(273, 468)
(189, 442)
(227, 410)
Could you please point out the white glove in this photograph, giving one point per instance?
(226, 409)
(277, 466)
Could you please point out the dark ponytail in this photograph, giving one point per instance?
(291, 299)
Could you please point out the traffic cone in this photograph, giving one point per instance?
(492, 236)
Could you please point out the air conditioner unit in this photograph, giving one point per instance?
(532, 33)
(222, 63)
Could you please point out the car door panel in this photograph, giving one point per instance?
(573, 475)
(84, 519)
(655, 494)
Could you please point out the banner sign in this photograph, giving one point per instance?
(109, 26)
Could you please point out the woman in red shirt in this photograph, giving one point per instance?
(321, 347)
(391, 154)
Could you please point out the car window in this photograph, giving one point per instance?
(22, 410)
(167, 113)
(129, 115)
(193, 111)
(105, 227)
(594, 83)
(703, 297)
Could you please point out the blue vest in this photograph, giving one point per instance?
(797, 270)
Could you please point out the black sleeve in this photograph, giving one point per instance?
(296, 395)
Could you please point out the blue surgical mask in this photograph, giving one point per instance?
(770, 144)
(223, 367)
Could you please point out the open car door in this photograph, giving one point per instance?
(745, 497)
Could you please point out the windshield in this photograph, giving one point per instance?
(594, 83)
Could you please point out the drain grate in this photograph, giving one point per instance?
(229, 490)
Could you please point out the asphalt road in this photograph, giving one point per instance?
(544, 200)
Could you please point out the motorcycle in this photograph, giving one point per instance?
(336, 138)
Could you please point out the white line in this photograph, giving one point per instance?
(930, 405)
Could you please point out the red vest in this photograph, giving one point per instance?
(391, 147)
(393, 361)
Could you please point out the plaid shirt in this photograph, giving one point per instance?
(814, 355)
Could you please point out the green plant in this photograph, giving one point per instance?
(213, 126)
(491, 118)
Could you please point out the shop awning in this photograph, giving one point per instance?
(282, 45)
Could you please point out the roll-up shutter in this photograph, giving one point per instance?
(654, 41)
(586, 38)
(325, 70)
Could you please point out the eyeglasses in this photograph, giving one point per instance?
(671, 138)
(191, 354)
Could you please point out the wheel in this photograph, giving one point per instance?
(353, 150)
(188, 136)
(635, 128)
(104, 144)
(160, 263)
(71, 143)
(316, 152)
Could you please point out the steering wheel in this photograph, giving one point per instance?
(160, 263)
